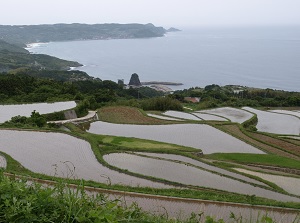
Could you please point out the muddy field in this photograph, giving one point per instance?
(287, 146)
(9, 111)
(128, 115)
(191, 135)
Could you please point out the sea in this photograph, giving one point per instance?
(261, 57)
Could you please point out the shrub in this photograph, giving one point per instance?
(251, 123)
(161, 104)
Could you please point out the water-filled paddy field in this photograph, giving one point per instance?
(289, 184)
(163, 117)
(9, 111)
(233, 114)
(204, 137)
(183, 209)
(57, 154)
(181, 115)
(294, 113)
(188, 175)
(209, 117)
(205, 166)
(276, 123)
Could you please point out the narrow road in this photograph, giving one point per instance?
(88, 117)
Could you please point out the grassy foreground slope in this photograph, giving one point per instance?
(22, 203)
(25, 201)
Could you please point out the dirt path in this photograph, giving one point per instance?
(91, 115)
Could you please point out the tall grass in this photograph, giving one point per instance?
(25, 201)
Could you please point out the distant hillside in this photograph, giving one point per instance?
(15, 57)
(58, 75)
(65, 32)
(4, 46)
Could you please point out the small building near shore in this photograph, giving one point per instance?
(192, 99)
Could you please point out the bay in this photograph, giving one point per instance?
(263, 57)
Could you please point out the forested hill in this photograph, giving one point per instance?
(4, 46)
(65, 32)
(14, 57)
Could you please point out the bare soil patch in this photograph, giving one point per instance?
(294, 141)
(235, 130)
(126, 115)
(291, 148)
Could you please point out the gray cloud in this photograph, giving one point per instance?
(179, 13)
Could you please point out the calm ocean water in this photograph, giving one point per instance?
(262, 57)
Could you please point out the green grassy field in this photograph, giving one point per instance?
(261, 159)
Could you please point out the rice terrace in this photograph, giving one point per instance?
(150, 111)
(205, 161)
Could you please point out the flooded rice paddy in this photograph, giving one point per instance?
(182, 115)
(205, 166)
(200, 136)
(233, 114)
(57, 154)
(294, 113)
(9, 111)
(293, 137)
(182, 209)
(163, 117)
(276, 123)
(2, 162)
(289, 184)
(188, 175)
(209, 117)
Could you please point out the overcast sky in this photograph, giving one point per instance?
(177, 13)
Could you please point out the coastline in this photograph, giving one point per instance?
(161, 83)
(35, 45)
(200, 73)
